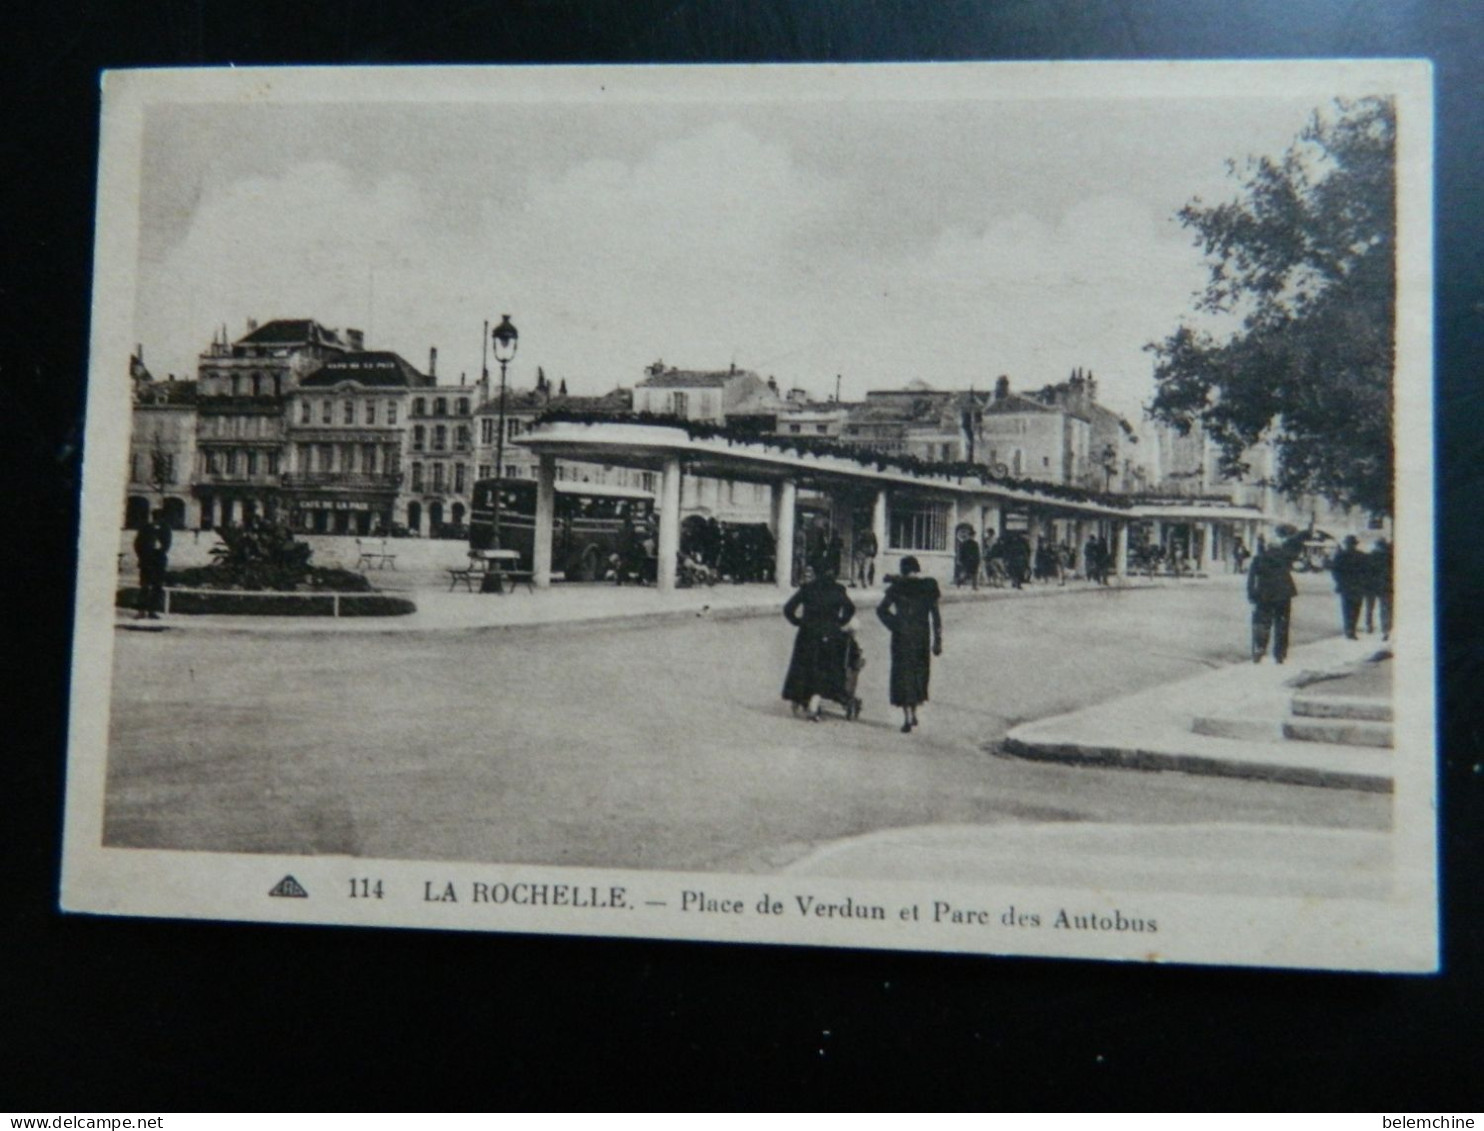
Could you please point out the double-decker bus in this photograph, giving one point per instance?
(585, 529)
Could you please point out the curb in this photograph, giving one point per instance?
(1138, 758)
(333, 626)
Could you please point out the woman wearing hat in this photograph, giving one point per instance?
(910, 612)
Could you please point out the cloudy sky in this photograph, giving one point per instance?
(881, 239)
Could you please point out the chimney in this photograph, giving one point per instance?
(1001, 387)
(433, 362)
(356, 339)
(252, 325)
(139, 351)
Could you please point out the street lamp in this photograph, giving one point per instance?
(505, 337)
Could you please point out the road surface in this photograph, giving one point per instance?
(658, 746)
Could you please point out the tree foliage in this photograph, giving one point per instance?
(1304, 261)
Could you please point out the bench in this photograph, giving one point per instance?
(491, 569)
(373, 555)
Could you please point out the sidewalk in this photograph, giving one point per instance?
(1238, 722)
(580, 604)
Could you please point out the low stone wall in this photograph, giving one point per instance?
(236, 602)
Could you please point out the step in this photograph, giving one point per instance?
(1339, 732)
(1342, 707)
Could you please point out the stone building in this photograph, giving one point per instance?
(344, 433)
(162, 448)
(708, 395)
(241, 388)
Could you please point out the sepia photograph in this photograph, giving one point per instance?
(980, 507)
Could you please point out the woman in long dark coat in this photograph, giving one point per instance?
(910, 611)
(817, 670)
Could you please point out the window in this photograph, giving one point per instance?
(419, 406)
(440, 406)
(370, 412)
(348, 412)
(459, 472)
(1045, 461)
(304, 412)
(463, 407)
(326, 457)
(134, 467)
(512, 471)
(440, 438)
(461, 438)
(273, 462)
(391, 412)
(795, 429)
(252, 463)
(822, 429)
(513, 428)
(419, 437)
(678, 403)
(231, 461)
(919, 525)
(437, 477)
(368, 458)
(486, 434)
(417, 477)
(213, 463)
(324, 412)
(485, 471)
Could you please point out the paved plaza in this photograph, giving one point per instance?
(663, 743)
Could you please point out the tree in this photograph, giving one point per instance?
(1304, 261)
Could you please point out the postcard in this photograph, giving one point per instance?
(980, 508)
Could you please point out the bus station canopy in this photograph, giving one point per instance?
(652, 447)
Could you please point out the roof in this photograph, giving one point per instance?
(533, 400)
(1019, 402)
(291, 331)
(691, 379)
(166, 393)
(373, 368)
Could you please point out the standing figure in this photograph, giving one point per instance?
(1350, 569)
(820, 609)
(152, 550)
(1018, 560)
(910, 612)
(968, 561)
(863, 557)
(1380, 563)
(1271, 590)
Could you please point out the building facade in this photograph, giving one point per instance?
(344, 434)
(162, 450)
(241, 390)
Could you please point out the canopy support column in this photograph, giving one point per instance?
(878, 528)
(669, 539)
(1120, 547)
(545, 521)
(785, 496)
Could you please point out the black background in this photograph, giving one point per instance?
(140, 1015)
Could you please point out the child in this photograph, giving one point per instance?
(855, 659)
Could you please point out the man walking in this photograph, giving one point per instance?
(152, 550)
(1271, 590)
(1351, 572)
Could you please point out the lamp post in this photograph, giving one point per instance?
(505, 338)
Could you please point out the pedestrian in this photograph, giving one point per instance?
(968, 560)
(152, 551)
(864, 549)
(1380, 563)
(1350, 570)
(1018, 559)
(819, 610)
(910, 612)
(1271, 590)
